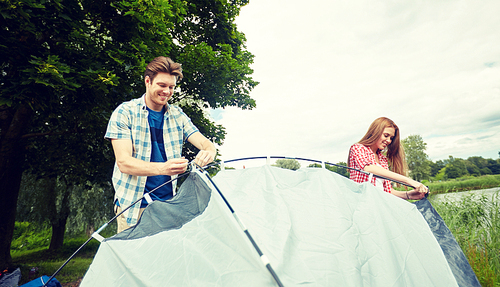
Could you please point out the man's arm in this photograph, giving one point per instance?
(206, 147)
(133, 166)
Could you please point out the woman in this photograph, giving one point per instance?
(380, 152)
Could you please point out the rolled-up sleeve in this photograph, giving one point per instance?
(361, 156)
(119, 125)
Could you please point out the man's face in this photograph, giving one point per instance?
(159, 91)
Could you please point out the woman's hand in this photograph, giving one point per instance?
(414, 194)
(420, 187)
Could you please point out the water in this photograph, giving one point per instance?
(491, 193)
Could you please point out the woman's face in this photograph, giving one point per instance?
(384, 140)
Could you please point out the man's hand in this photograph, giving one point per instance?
(174, 166)
(204, 157)
(206, 147)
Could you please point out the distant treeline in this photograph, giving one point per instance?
(456, 167)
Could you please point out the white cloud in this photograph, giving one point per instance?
(327, 69)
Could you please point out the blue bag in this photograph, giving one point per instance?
(42, 280)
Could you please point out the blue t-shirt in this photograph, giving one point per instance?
(155, 120)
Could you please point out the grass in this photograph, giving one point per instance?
(464, 184)
(48, 262)
(480, 262)
(73, 271)
(475, 223)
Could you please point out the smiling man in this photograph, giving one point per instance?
(147, 135)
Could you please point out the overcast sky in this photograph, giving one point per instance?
(327, 69)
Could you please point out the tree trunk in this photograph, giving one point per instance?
(58, 229)
(58, 218)
(89, 230)
(13, 124)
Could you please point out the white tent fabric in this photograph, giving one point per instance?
(209, 250)
(316, 227)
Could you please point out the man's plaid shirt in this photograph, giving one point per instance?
(130, 121)
(361, 156)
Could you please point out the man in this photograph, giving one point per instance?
(147, 135)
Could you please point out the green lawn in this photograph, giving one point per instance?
(48, 262)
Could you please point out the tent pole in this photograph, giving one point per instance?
(262, 256)
(311, 160)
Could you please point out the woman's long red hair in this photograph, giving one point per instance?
(394, 151)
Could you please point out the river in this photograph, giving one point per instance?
(491, 193)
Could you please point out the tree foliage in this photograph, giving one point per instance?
(66, 65)
(472, 166)
(436, 167)
(455, 167)
(416, 157)
(42, 201)
(421, 167)
(287, 163)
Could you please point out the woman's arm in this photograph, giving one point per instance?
(418, 192)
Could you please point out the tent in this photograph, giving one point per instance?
(268, 226)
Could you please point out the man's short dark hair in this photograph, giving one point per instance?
(163, 65)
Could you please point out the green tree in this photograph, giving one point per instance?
(440, 175)
(478, 161)
(485, 166)
(455, 168)
(81, 207)
(472, 169)
(67, 64)
(49, 198)
(485, 171)
(287, 163)
(340, 170)
(436, 166)
(494, 166)
(417, 159)
(453, 171)
(58, 159)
